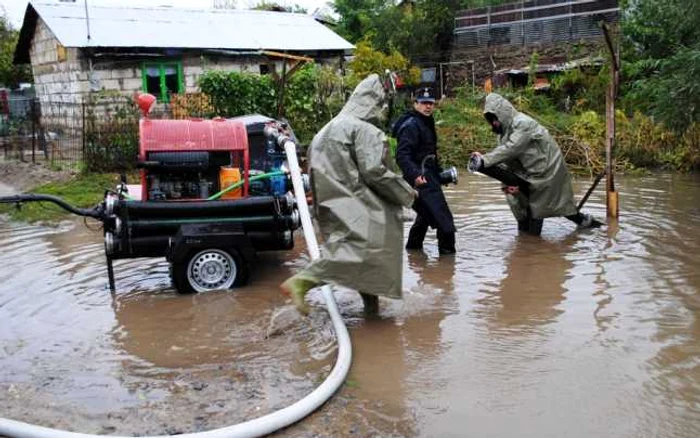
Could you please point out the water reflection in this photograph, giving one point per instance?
(403, 342)
(574, 334)
(534, 283)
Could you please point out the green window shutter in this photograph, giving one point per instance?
(180, 78)
(144, 82)
(163, 87)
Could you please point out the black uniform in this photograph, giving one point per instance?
(416, 154)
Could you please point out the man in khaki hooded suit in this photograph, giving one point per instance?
(537, 182)
(358, 202)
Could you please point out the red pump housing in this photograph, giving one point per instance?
(194, 135)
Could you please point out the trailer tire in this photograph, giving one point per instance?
(209, 269)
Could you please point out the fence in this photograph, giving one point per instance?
(96, 133)
(534, 21)
(47, 131)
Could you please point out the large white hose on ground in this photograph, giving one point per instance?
(276, 420)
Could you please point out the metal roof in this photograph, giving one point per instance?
(169, 27)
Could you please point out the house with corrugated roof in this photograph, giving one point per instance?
(77, 48)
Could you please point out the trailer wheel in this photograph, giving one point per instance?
(209, 269)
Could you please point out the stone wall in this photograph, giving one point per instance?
(486, 61)
(56, 78)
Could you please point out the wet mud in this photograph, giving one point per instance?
(576, 333)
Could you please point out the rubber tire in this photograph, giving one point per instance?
(181, 283)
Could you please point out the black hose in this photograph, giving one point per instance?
(507, 177)
(259, 205)
(95, 212)
(169, 227)
(422, 163)
(590, 190)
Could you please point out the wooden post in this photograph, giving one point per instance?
(613, 209)
(281, 89)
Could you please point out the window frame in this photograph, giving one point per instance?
(163, 95)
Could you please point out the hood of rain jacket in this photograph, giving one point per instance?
(357, 199)
(529, 151)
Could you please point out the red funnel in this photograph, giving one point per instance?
(145, 101)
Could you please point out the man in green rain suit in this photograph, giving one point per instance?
(358, 202)
(531, 166)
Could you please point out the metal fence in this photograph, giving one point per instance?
(534, 21)
(95, 133)
(48, 132)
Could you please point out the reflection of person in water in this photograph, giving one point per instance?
(436, 283)
(534, 283)
(392, 351)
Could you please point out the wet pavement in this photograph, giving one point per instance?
(576, 333)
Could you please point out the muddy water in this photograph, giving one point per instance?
(579, 334)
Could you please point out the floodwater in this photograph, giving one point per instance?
(577, 334)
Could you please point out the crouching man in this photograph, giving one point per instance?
(530, 164)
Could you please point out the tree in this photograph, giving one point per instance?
(420, 29)
(224, 4)
(10, 75)
(265, 5)
(662, 50)
(367, 60)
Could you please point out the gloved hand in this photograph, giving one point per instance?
(476, 162)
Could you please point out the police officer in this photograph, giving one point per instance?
(417, 156)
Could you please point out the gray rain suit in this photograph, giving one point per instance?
(527, 149)
(357, 199)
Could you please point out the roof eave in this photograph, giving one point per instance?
(26, 34)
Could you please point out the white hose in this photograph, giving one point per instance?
(276, 420)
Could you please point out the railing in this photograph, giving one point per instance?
(534, 21)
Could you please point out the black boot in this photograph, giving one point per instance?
(531, 226)
(417, 234)
(371, 303)
(446, 243)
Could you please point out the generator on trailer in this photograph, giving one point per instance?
(200, 204)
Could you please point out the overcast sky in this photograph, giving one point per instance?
(14, 9)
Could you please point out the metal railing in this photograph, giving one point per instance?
(534, 21)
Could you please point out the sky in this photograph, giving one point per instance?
(14, 9)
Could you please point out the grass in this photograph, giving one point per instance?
(83, 191)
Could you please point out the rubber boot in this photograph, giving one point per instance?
(417, 234)
(531, 226)
(446, 243)
(296, 287)
(371, 303)
(584, 220)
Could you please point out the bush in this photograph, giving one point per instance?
(313, 95)
(111, 133)
(186, 105)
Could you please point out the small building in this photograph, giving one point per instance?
(495, 39)
(77, 48)
(543, 74)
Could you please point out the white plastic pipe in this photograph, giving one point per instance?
(276, 420)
